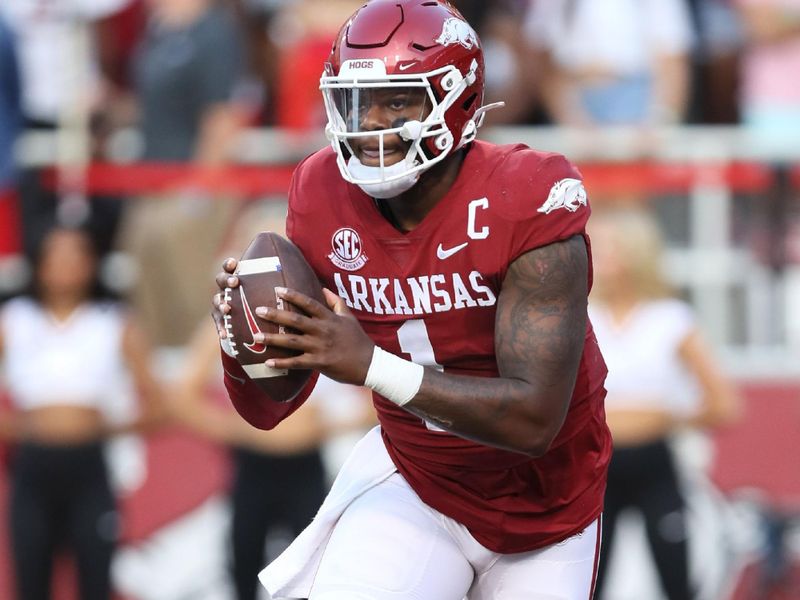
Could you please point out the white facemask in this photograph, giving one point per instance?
(384, 189)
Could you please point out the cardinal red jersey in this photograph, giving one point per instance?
(430, 296)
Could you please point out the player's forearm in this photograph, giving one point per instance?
(243, 391)
(505, 413)
(539, 336)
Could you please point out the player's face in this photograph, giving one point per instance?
(374, 109)
(67, 264)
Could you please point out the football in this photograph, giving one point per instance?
(269, 261)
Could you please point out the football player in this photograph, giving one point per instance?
(457, 275)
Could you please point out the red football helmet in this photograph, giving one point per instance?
(423, 49)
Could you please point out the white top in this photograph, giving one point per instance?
(645, 369)
(619, 37)
(77, 362)
(58, 66)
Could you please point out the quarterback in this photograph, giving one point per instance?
(457, 276)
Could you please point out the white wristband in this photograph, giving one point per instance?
(394, 378)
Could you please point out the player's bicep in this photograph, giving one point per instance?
(541, 316)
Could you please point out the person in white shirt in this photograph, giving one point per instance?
(662, 377)
(67, 354)
(617, 62)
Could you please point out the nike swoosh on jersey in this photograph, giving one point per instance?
(442, 254)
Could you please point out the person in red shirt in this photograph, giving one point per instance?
(457, 275)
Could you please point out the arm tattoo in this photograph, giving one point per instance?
(542, 312)
(539, 334)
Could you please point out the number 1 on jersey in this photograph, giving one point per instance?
(414, 340)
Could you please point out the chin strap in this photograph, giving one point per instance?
(369, 178)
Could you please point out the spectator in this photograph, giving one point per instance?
(618, 62)
(662, 378)
(186, 72)
(263, 47)
(61, 87)
(770, 96)
(511, 78)
(10, 120)
(66, 351)
(304, 31)
(715, 62)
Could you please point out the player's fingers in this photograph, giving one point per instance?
(335, 302)
(220, 303)
(286, 340)
(226, 280)
(220, 308)
(219, 323)
(285, 317)
(230, 264)
(305, 303)
(295, 362)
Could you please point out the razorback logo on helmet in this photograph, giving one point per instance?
(457, 31)
(567, 193)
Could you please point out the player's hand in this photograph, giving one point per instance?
(219, 308)
(330, 338)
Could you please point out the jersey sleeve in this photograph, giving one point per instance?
(252, 403)
(300, 204)
(545, 203)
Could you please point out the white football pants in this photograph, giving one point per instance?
(389, 545)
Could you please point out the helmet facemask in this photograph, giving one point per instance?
(408, 109)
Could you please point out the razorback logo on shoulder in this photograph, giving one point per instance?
(457, 31)
(567, 193)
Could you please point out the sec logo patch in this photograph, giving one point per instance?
(348, 252)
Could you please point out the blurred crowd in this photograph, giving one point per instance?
(189, 77)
